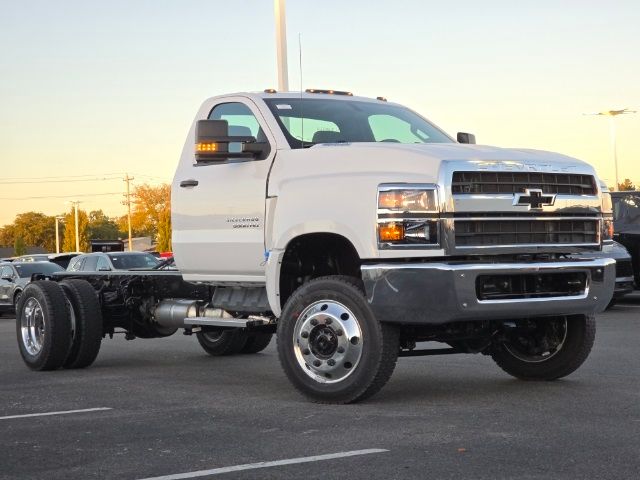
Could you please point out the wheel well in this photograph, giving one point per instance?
(316, 255)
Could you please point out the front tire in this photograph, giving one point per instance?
(548, 350)
(331, 346)
(43, 325)
(257, 342)
(222, 342)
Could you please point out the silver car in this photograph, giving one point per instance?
(15, 276)
(105, 262)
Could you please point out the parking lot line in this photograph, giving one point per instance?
(66, 412)
(276, 463)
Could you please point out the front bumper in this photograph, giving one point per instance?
(436, 293)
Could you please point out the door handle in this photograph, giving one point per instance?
(189, 183)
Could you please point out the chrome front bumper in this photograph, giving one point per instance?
(436, 293)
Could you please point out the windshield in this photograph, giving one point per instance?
(306, 122)
(25, 270)
(125, 262)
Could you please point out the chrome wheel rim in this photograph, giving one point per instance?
(327, 341)
(559, 336)
(32, 323)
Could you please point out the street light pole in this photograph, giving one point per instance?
(58, 218)
(612, 114)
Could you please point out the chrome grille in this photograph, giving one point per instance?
(481, 233)
(516, 182)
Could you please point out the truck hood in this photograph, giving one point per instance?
(419, 162)
(455, 151)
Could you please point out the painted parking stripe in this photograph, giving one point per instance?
(65, 412)
(276, 463)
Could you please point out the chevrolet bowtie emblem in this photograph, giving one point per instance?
(533, 198)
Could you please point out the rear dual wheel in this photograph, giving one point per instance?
(58, 324)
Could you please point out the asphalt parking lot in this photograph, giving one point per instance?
(155, 408)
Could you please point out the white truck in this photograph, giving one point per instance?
(354, 229)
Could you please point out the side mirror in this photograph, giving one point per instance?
(8, 278)
(213, 139)
(466, 138)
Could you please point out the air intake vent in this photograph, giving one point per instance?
(516, 182)
(481, 233)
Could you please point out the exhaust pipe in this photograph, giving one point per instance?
(178, 313)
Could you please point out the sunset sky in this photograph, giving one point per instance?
(90, 90)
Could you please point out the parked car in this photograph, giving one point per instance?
(61, 259)
(101, 262)
(14, 276)
(168, 263)
(626, 222)
(624, 268)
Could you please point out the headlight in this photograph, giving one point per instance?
(408, 200)
(607, 229)
(408, 216)
(607, 214)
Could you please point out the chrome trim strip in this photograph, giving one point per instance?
(524, 219)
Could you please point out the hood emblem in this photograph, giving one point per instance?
(533, 198)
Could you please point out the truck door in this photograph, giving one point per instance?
(219, 217)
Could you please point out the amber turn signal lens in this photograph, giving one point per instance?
(391, 232)
(206, 147)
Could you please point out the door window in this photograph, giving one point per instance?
(242, 121)
(103, 264)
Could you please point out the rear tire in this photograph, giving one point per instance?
(556, 348)
(43, 326)
(330, 344)
(86, 317)
(257, 342)
(222, 342)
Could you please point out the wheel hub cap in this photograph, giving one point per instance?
(327, 341)
(32, 325)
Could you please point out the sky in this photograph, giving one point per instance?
(92, 90)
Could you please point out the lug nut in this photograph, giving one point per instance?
(339, 332)
(304, 334)
(328, 321)
(317, 363)
(340, 350)
(331, 362)
(306, 351)
(314, 322)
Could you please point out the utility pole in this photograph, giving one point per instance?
(58, 218)
(127, 179)
(612, 114)
(281, 45)
(75, 207)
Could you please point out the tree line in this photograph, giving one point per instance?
(150, 217)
